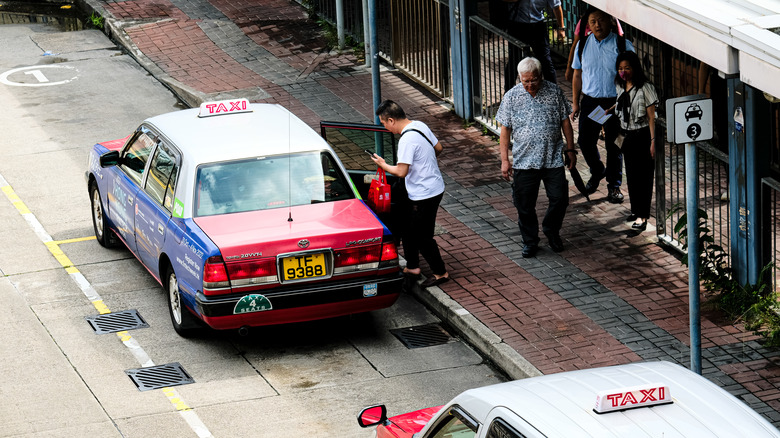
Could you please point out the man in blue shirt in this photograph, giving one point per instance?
(532, 115)
(526, 23)
(593, 85)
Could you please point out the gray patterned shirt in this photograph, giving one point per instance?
(536, 125)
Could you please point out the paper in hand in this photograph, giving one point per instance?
(599, 115)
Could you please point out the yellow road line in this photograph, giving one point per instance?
(9, 192)
(75, 240)
(175, 400)
(189, 415)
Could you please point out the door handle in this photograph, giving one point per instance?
(160, 228)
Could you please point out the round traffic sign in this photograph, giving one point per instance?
(693, 131)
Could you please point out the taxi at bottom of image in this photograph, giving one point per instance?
(649, 399)
(245, 215)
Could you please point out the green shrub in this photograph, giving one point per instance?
(753, 304)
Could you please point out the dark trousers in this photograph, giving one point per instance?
(589, 137)
(525, 190)
(535, 35)
(640, 170)
(418, 236)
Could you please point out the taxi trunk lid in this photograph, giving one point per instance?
(269, 233)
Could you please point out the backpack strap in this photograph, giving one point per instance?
(419, 132)
(621, 45)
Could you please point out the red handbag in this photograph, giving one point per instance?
(379, 193)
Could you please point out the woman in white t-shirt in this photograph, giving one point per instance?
(635, 108)
(417, 152)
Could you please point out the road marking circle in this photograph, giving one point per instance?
(36, 74)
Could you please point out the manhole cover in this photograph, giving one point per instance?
(422, 336)
(116, 322)
(159, 376)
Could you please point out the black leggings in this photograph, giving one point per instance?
(418, 237)
(640, 170)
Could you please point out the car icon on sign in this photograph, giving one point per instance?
(693, 111)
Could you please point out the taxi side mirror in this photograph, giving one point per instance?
(372, 415)
(110, 158)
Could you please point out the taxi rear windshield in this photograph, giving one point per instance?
(264, 183)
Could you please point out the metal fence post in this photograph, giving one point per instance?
(461, 77)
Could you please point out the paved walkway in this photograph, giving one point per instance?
(613, 296)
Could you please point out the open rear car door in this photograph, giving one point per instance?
(351, 141)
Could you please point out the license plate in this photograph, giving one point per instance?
(303, 266)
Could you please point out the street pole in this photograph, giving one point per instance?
(340, 23)
(366, 35)
(692, 212)
(375, 84)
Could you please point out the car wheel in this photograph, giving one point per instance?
(103, 233)
(184, 322)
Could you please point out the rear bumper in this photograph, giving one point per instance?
(298, 305)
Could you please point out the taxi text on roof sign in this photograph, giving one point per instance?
(221, 107)
(633, 397)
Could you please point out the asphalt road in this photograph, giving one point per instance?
(61, 92)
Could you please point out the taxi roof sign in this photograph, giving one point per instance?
(632, 397)
(217, 108)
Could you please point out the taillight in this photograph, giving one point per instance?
(389, 251)
(358, 258)
(214, 273)
(221, 278)
(252, 272)
(389, 254)
(358, 255)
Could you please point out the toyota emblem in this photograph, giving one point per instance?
(303, 243)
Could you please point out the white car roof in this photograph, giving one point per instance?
(267, 130)
(562, 405)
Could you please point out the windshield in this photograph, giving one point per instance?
(263, 183)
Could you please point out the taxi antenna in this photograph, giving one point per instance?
(289, 161)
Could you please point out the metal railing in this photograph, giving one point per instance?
(713, 191)
(412, 35)
(491, 61)
(420, 42)
(770, 227)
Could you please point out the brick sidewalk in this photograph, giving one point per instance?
(613, 296)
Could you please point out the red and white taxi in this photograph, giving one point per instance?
(245, 215)
(651, 399)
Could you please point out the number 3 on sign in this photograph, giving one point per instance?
(694, 131)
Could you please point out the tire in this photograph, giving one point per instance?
(104, 235)
(184, 322)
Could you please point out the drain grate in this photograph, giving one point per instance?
(116, 322)
(159, 376)
(422, 336)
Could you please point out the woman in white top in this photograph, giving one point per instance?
(635, 108)
(417, 152)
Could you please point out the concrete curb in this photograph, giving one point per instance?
(476, 333)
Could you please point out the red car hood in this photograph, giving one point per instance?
(271, 232)
(406, 425)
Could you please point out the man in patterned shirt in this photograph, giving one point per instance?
(533, 114)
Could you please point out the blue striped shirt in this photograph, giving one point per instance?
(598, 65)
